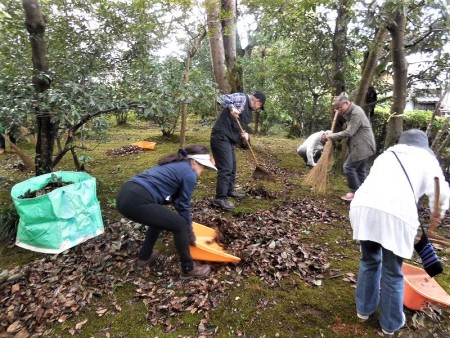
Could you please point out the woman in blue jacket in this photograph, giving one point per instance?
(172, 181)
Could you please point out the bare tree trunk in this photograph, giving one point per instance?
(35, 23)
(369, 67)
(185, 105)
(229, 41)
(396, 28)
(339, 47)
(195, 45)
(442, 147)
(216, 45)
(437, 109)
(439, 134)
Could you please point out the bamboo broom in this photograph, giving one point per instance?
(317, 176)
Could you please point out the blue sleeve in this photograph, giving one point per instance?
(183, 202)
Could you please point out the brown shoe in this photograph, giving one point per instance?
(142, 263)
(198, 271)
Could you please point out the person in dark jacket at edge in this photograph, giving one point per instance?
(225, 135)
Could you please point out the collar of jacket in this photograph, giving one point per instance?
(349, 111)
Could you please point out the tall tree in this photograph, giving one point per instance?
(45, 128)
(194, 45)
(396, 27)
(213, 8)
(369, 66)
(230, 42)
(340, 46)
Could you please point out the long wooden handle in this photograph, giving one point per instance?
(437, 194)
(436, 209)
(248, 143)
(333, 125)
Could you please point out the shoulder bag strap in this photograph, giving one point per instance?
(410, 184)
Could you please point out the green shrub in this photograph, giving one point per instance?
(418, 119)
(9, 220)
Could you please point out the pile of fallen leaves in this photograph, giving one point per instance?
(55, 183)
(274, 244)
(125, 150)
(270, 244)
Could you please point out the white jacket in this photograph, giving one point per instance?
(311, 145)
(384, 208)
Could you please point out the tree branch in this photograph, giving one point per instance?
(68, 146)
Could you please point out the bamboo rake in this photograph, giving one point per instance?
(259, 172)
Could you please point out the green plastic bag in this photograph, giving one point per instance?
(60, 219)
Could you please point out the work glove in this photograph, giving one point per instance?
(191, 235)
(191, 238)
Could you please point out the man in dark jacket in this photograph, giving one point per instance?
(225, 134)
(360, 142)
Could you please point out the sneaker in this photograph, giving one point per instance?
(237, 195)
(198, 271)
(142, 263)
(223, 203)
(348, 196)
(362, 317)
(392, 333)
(2, 150)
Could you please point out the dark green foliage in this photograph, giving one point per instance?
(8, 223)
(419, 119)
(121, 117)
(416, 119)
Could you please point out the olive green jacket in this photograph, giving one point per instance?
(359, 134)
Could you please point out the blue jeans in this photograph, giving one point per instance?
(355, 171)
(380, 281)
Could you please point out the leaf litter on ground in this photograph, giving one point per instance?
(272, 244)
(55, 288)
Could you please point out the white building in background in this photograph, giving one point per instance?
(423, 97)
(420, 99)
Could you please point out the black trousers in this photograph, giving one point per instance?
(2, 140)
(316, 155)
(225, 158)
(136, 203)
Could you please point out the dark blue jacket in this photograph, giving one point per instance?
(171, 183)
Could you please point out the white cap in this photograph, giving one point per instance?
(203, 159)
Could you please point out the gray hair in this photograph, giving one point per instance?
(341, 99)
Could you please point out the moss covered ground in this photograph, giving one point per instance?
(251, 309)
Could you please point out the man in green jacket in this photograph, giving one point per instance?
(360, 142)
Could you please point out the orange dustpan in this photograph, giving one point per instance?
(145, 145)
(206, 248)
(421, 288)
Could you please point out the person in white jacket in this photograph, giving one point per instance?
(384, 218)
(311, 149)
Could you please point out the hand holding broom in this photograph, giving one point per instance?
(317, 177)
